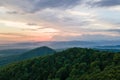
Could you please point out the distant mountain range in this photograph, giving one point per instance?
(40, 51)
(109, 47)
(10, 52)
(61, 44)
(14, 52)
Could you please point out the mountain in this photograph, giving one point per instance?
(30, 54)
(59, 44)
(109, 47)
(37, 52)
(108, 50)
(9, 52)
(52, 44)
(70, 64)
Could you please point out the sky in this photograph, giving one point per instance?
(59, 20)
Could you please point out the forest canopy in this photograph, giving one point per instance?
(70, 64)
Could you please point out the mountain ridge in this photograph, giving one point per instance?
(29, 54)
(59, 44)
(70, 64)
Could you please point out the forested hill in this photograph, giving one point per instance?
(71, 64)
(40, 51)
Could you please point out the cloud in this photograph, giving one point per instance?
(87, 37)
(43, 30)
(20, 25)
(12, 12)
(99, 37)
(31, 24)
(114, 30)
(60, 19)
(18, 37)
(66, 18)
(106, 3)
(36, 5)
(12, 35)
(42, 4)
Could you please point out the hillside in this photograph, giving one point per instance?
(9, 52)
(30, 54)
(37, 52)
(71, 64)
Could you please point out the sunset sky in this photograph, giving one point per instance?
(59, 20)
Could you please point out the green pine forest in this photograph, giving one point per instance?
(70, 64)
